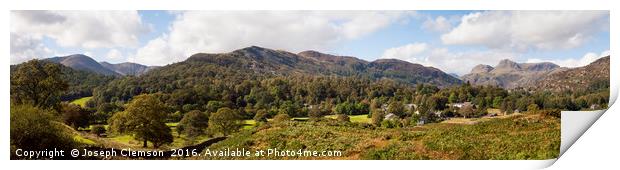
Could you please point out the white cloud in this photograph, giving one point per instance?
(24, 48)
(523, 30)
(571, 62)
(439, 24)
(450, 62)
(405, 52)
(92, 29)
(89, 30)
(114, 54)
(223, 31)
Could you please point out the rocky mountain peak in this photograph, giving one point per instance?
(481, 68)
(508, 65)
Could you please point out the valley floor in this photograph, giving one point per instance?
(504, 137)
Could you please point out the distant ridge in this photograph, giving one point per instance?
(82, 62)
(509, 74)
(128, 68)
(592, 76)
(86, 63)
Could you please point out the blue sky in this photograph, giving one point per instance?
(454, 41)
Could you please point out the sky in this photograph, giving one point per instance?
(453, 41)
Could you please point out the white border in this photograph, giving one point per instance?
(596, 148)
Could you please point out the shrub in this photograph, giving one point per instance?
(551, 113)
(343, 118)
(386, 153)
(391, 123)
(414, 119)
(405, 121)
(532, 107)
(36, 129)
(315, 113)
(261, 116)
(281, 118)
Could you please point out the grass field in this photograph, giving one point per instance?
(516, 137)
(81, 101)
(128, 140)
(354, 118)
(178, 140)
(80, 139)
(249, 124)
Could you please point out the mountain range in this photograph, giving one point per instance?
(507, 74)
(544, 75)
(263, 60)
(86, 63)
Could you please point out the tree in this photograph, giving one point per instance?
(213, 106)
(467, 111)
(74, 116)
(532, 108)
(289, 108)
(351, 108)
(144, 118)
(497, 102)
(38, 84)
(437, 102)
(374, 105)
(430, 117)
(225, 121)
(396, 108)
(343, 108)
(193, 124)
(452, 98)
(377, 116)
(33, 128)
(97, 130)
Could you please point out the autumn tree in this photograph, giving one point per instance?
(144, 118)
(377, 116)
(467, 111)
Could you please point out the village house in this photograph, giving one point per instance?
(459, 105)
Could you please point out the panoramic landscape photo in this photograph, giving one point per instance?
(344, 85)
